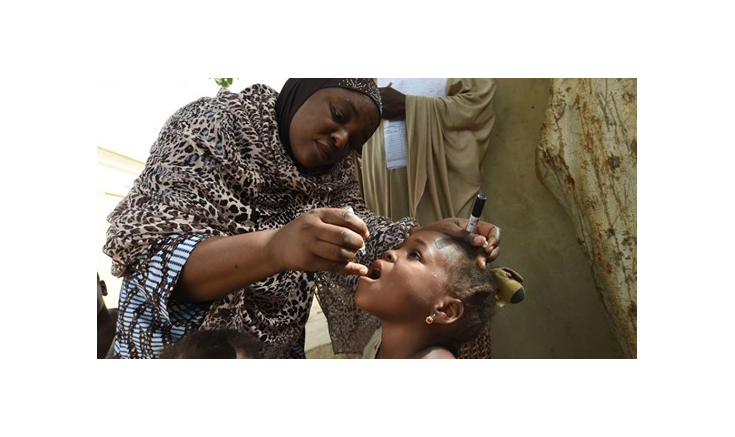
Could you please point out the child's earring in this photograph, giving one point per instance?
(430, 319)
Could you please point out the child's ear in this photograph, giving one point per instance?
(449, 310)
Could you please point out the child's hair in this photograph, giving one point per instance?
(477, 289)
(217, 343)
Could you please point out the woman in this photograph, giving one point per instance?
(238, 209)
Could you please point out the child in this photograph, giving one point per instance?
(219, 343)
(431, 297)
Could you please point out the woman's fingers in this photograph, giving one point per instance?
(483, 258)
(352, 268)
(489, 238)
(486, 235)
(490, 233)
(494, 254)
(455, 227)
(335, 250)
(341, 237)
(324, 239)
(345, 218)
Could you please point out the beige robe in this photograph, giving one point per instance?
(447, 140)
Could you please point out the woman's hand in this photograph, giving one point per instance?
(486, 235)
(323, 239)
(394, 103)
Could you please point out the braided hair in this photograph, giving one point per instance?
(477, 289)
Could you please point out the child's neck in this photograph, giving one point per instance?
(402, 341)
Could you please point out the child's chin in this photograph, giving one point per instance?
(360, 297)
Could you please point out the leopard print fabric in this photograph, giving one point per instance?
(218, 168)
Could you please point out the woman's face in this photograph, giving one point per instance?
(404, 284)
(330, 124)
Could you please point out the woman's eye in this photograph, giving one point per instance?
(337, 115)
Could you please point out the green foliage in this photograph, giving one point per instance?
(223, 82)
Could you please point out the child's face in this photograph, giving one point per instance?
(405, 283)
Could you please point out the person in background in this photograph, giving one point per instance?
(447, 135)
(239, 216)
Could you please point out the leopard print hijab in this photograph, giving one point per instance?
(212, 160)
(296, 91)
(219, 168)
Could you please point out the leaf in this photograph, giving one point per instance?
(223, 82)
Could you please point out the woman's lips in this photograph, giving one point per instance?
(323, 151)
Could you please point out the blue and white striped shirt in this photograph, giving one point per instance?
(148, 319)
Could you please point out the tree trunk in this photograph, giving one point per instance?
(587, 157)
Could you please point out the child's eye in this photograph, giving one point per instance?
(414, 254)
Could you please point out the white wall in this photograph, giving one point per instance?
(115, 176)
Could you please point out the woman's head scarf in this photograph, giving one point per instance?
(296, 91)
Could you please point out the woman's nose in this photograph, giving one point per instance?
(340, 138)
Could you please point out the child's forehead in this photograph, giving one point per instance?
(443, 242)
(433, 238)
